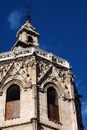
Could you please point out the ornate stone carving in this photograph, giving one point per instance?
(57, 76)
(17, 68)
(31, 62)
(42, 69)
(62, 74)
(21, 68)
(4, 69)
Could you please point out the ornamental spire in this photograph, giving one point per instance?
(27, 15)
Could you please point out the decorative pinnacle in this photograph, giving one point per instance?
(27, 18)
(27, 14)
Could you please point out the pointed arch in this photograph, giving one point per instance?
(52, 104)
(12, 102)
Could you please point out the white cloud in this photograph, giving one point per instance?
(14, 18)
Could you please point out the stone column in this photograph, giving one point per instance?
(34, 123)
(34, 92)
(73, 109)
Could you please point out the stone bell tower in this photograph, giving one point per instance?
(37, 90)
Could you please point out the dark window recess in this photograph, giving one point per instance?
(12, 102)
(30, 39)
(53, 110)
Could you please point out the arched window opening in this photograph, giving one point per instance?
(52, 99)
(12, 102)
(30, 39)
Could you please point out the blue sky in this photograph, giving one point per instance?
(62, 25)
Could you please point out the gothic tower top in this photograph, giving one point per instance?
(27, 36)
(27, 44)
(37, 89)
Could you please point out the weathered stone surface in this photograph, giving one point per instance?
(34, 71)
